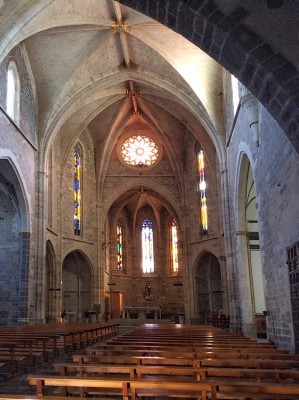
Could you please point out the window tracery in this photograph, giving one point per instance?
(77, 189)
(174, 247)
(139, 150)
(147, 247)
(202, 190)
(119, 233)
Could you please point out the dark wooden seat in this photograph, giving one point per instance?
(214, 390)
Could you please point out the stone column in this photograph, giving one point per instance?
(40, 256)
(250, 106)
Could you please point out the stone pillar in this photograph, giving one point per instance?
(40, 256)
(250, 106)
(231, 295)
(246, 307)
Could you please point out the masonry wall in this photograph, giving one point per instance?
(275, 168)
(61, 232)
(18, 172)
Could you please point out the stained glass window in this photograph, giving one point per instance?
(139, 151)
(147, 247)
(174, 247)
(77, 189)
(13, 92)
(202, 191)
(119, 245)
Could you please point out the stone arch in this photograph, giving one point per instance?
(252, 299)
(171, 204)
(91, 90)
(208, 288)
(77, 285)
(240, 50)
(14, 246)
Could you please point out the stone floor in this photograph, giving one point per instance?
(17, 384)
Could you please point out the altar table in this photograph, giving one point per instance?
(142, 311)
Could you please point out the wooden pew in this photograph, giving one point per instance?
(139, 388)
(197, 373)
(25, 343)
(131, 370)
(133, 360)
(207, 352)
(126, 388)
(275, 375)
(246, 363)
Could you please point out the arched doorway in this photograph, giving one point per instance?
(252, 296)
(208, 286)
(77, 285)
(14, 247)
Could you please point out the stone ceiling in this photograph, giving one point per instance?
(85, 55)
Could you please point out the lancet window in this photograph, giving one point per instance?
(174, 247)
(147, 247)
(119, 233)
(13, 92)
(77, 189)
(202, 191)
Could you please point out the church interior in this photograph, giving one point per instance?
(149, 163)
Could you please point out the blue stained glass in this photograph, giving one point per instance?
(77, 189)
(147, 247)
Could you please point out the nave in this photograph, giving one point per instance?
(164, 361)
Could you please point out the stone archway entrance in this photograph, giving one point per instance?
(77, 286)
(14, 248)
(208, 286)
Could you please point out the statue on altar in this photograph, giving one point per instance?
(148, 291)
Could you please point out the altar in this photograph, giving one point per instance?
(141, 312)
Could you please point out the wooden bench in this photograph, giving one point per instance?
(246, 363)
(133, 360)
(139, 388)
(26, 343)
(275, 375)
(131, 370)
(204, 353)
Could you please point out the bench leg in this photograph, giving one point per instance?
(125, 390)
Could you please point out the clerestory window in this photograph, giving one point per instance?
(202, 191)
(13, 92)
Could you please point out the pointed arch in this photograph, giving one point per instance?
(14, 245)
(208, 288)
(248, 250)
(77, 284)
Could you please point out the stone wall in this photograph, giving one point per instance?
(275, 169)
(18, 173)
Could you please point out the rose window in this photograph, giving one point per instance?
(139, 151)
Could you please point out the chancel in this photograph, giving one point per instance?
(142, 312)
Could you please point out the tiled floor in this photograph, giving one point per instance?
(18, 384)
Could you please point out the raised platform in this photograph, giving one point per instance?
(126, 325)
